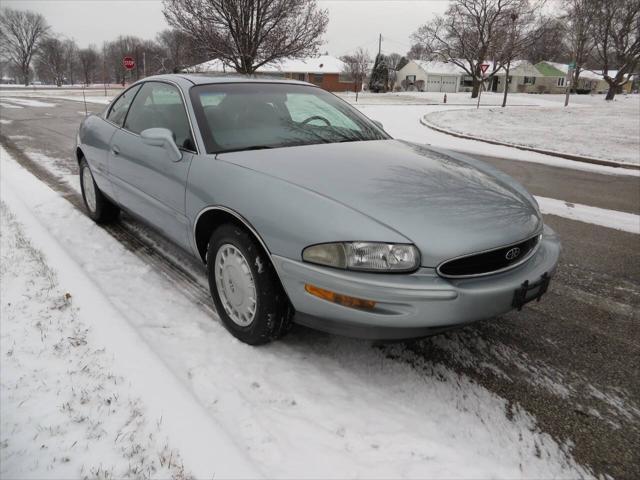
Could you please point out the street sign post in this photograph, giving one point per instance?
(568, 81)
(483, 68)
(129, 63)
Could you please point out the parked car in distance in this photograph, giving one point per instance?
(304, 210)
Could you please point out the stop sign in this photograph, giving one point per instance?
(129, 63)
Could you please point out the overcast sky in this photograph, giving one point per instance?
(352, 23)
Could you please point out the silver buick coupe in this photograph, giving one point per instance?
(304, 210)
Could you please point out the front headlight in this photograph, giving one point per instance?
(364, 256)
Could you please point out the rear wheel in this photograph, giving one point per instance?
(245, 288)
(99, 207)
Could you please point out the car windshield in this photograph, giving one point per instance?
(251, 116)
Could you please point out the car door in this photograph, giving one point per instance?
(96, 133)
(146, 180)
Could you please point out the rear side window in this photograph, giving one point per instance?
(159, 105)
(119, 109)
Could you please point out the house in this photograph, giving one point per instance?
(523, 76)
(325, 71)
(431, 76)
(554, 79)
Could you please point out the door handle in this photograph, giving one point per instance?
(115, 150)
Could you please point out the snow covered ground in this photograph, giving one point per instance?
(590, 127)
(93, 95)
(311, 405)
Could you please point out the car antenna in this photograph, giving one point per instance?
(86, 113)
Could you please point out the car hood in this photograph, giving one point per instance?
(446, 204)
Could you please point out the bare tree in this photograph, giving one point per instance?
(71, 53)
(617, 40)
(20, 33)
(550, 44)
(52, 61)
(417, 52)
(520, 32)
(178, 50)
(470, 33)
(357, 66)
(125, 46)
(246, 34)
(393, 62)
(579, 25)
(88, 59)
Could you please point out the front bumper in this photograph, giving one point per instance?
(411, 305)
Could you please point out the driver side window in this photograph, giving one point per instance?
(159, 105)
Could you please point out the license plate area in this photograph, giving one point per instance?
(529, 292)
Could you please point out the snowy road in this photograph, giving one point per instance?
(402, 410)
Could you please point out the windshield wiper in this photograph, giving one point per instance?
(242, 149)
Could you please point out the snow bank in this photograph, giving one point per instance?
(26, 102)
(626, 222)
(309, 406)
(204, 447)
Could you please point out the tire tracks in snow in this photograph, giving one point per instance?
(142, 247)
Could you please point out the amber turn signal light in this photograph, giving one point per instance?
(340, 299)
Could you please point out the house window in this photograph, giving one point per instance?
(411, 79)
(561, 82)
(344, 78)
(317, 78)
(302, 77)
(529, 80)
(466, 81)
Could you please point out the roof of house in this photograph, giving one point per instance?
(320, 64)
(561, 69)
(439, 68)
(548, 69)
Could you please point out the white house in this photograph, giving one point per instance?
(437, 76)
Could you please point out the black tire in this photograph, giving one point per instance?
(273, 311)
(105, 210)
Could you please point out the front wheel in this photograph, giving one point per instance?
(99, 207)
(245, 287)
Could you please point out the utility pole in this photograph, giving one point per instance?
(380, 45)
(144, 64)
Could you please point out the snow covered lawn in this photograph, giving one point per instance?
(597, 129)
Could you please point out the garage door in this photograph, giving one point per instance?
(448, 84)
(434, 83)
(441, 83)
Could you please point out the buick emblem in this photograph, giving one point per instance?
(512, 254)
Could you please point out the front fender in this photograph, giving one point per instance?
(287, 217)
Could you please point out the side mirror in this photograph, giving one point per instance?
(379, 124)
(162, 137)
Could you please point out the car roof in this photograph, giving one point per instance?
(203, 79)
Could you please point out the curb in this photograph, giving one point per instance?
(568, 156)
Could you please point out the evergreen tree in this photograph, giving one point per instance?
(379, 75)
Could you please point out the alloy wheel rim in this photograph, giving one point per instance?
(89, 189)
(235, 284)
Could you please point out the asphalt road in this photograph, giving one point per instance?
(572, 360)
